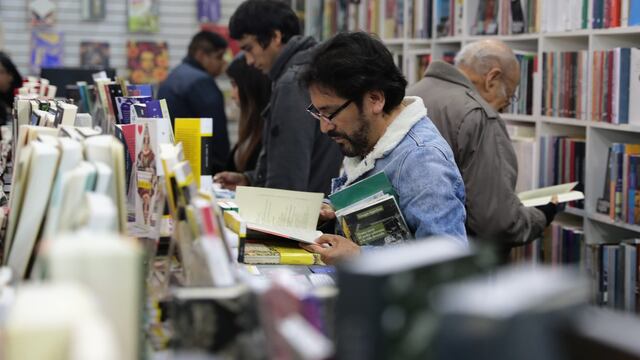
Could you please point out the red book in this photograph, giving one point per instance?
(614, 20)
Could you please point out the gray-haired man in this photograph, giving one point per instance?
(463, 102)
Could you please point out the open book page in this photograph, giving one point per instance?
(543, 196)
(297, 234)
(282, 208)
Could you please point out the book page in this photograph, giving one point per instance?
(542, 196)
(292, 209)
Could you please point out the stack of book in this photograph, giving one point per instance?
(616, 82)
(621, 196)
(564, 84)
(562, 160)
(449, 21)
(614, 13)
(505, 17)
(420, 19)
(524, 102)
(614, 271)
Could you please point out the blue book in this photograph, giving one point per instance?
(634, 12)
(625, 68)
(139, 90)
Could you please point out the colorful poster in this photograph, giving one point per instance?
(43, 12)
(94, 54)
(143, 16)
(148, 62)
(46, 49)
(208, 11)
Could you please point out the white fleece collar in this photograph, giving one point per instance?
(414, 110)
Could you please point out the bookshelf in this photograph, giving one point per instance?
(598, 135)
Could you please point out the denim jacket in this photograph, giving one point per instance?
(421, 168)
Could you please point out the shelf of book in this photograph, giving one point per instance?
(616, 127)
(575, 211)
(563, 121)
(607, 220)
(519, 118)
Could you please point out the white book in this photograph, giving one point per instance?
(111, 267)
(103, 179)
(634, 88)
(70, 157)
(542, 196)
(42, 169)
(68, 114)
(74, 185)
(99, 214)
(624, 13)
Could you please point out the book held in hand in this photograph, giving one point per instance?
(544, 195)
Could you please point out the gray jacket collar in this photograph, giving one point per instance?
(286, 58)
(447, 72)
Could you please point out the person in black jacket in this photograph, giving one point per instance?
(192, 92)
(295, 154)
(10, 80)
(250, 89)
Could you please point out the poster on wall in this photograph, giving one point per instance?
(46, 49)
(147, 61)
(94, 54)
(93, 10)
(208, 11)
(42, 12)
(143, 16)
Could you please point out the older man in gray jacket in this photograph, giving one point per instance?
(463, 102)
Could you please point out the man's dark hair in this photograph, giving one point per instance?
(206, 41)
(262, 18)
(350, 64)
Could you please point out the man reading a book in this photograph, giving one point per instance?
(295, 155)
(357, 97)
(464, 101)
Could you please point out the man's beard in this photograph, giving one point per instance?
(356, 144)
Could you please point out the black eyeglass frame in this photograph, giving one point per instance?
(328, 118)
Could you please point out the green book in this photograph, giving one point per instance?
(378, 183)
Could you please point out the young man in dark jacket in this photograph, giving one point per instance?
(295, 154)
(192, 92)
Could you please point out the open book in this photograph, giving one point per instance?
(542, 196)
(279, 213)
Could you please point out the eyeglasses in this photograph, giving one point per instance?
(328, 118)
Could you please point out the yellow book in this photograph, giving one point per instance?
(275, 252)
(196, 136)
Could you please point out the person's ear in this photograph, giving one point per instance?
(492, 79)
(375, 100)
(276, 38)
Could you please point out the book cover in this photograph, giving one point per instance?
(42, 13)
(93, 10)
(143, 16)
(46, 49)
(146, 171)
(140, 90)
(634, 12)
(147, 61)
(379, 222)
(275, 252)
(94, 54)
(209, 11)
(196, 136)
(378, 183)
(124, 104)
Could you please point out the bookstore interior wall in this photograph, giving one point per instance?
(178, 22)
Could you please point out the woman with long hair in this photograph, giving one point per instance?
(250, 89)
(10, 80)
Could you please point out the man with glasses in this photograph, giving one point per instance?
(357, 95)
(464, 102)
(295, 155)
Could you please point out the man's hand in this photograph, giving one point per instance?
(229, 180)
(333, 248)
(326, 213)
